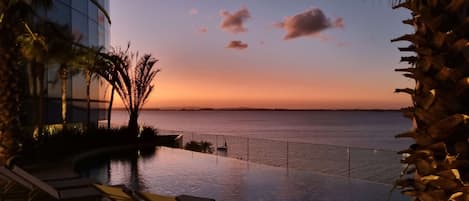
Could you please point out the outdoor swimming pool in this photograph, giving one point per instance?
(174, 171)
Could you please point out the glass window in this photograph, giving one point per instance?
(79, 86)
(104, 90)
(93, 33)
(59, 13)
(80, 27)
(106, 6)
(80, 6)
(69, 86)
(67, 2)
(53, 82)
(94, 89)
(92, 12)
(101, 36)
(101, 18)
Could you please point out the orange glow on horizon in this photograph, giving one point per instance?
(190, 87)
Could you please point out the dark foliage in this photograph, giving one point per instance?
(148, 134)
(68, 142)
(202, 146)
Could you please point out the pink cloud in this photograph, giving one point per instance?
(193, 11)
(203, 29)
(237, 44)
(233, 22)
(308, 23)
(342, 44)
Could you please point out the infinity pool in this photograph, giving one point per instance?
(174, 171)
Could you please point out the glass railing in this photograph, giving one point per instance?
(374, 165)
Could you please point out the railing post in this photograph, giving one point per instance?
(216, 144)
(247, 143)
(287, 153)
(348, 161)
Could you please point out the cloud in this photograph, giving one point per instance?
(233, 22)
(342, 44)
(237, 44)
(203, 29)
(193, 11)
(308, 23)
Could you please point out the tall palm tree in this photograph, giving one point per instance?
(90, 68)
(106, 63)
(438, 161)
(69, 57)
(14, 18)
(40, 51)
(34, 49)
(73, 59)
(133, 82)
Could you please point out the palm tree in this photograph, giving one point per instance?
(438, 162)
(40, 51)
(69, 57)
(34, 49)
(90, 70)
(133, 84)
(73, 59)
(106, 69)
(15, 18)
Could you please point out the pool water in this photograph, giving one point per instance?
(172, 171)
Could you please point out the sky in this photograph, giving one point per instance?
(295, 54)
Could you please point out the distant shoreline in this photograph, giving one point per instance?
(262, 109)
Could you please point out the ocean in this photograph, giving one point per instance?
(270, 155)
(357, 129)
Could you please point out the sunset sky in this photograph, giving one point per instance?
(269, 54)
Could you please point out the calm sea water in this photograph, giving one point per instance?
(174, 172)
(366, 129)
(285, 155)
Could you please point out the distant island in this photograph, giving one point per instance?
(256, 109)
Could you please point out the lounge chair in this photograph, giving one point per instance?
(11, 182)
(154, 197)
(35, 185)
(114, 193)
(122, 193)
(192, 198)
(71, 183)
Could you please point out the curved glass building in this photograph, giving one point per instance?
(92, 29)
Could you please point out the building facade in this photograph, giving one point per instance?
(91, 26)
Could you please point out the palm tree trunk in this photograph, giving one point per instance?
(133, 122)
(88, 101)
(110, 108)
(63, 81)
(38, 88)
(9, 104)
(34, 94)
(41, 98)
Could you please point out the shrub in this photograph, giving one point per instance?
(148, 134)
(202, 146)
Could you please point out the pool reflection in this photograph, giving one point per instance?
(173, 172)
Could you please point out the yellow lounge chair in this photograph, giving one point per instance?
(114, 193)
(117, 193)
(154, 197)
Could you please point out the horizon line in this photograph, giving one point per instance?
(260, 109)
